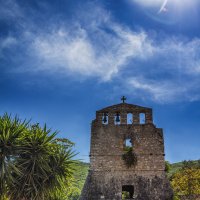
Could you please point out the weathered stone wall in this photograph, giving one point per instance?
(107, 146)
(108, 171)
(108, 186)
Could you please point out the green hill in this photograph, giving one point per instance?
(174, 167)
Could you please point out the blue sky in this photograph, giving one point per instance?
(62, 60)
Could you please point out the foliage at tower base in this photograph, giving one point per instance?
(34, 163)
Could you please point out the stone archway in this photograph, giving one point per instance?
(127, 192)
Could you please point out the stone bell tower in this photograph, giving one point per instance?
(126, 156)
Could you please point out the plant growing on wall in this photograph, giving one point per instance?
(129, 157)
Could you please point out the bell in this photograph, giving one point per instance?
(117, 118)
(104, 118)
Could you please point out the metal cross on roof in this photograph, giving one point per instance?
(123, 99)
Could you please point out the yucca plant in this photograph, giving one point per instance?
(11, 131)
(34, 164)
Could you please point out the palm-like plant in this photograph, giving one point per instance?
(34, 165)
(11, 131)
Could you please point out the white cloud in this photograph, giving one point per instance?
(75, 51)
(181, 55)
(6, 43)
(9, 9)
(168, 71)
(149, 3)
(177, 5)
(156, 90)
(175, 76)
(96, 46)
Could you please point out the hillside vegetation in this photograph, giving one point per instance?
(174, 167)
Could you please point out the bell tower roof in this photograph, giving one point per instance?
(124, 107)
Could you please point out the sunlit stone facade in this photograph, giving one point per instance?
(109, 177)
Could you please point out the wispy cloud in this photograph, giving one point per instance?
(7, 43)
(175, 5)
(9, 9)
(149, 3)
(158, 91)
(97, 46)
(75, 51)
(171, 74)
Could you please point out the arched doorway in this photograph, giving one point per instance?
(127, 192)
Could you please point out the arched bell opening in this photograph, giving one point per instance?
(129, 118)
(142, 118)
(117, 119)
(105, 118)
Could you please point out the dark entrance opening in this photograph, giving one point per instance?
(127, 192)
